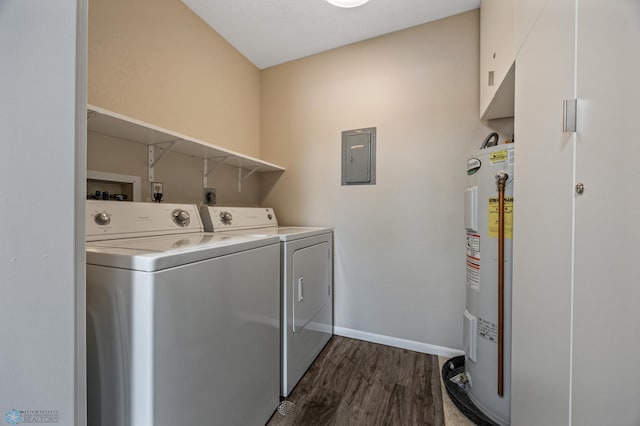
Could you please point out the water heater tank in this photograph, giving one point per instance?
(488, 388)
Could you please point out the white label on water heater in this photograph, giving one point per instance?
(488, 330)
(473, 261)
(473, 246)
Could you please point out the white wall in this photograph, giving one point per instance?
(399, 259)
(42, 116)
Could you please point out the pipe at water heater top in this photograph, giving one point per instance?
(501, 181)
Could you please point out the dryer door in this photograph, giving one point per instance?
(311, 284)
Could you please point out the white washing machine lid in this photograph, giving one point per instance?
(151, 254)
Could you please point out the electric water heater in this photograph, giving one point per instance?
(487, 318)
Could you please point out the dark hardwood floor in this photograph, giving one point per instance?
(359, 383)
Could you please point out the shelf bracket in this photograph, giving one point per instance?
(153, 161)
(207, 172)
(218, 163)
(241, 178)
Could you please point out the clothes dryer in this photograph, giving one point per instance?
(182, 325)
(306, 265)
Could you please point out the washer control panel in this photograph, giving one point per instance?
(109, 219)
(216, 219)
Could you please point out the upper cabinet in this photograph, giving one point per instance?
(528, 13)
(497, 55)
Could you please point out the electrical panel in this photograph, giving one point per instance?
(359, 157)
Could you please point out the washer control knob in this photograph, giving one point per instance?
(226, 218)
(269, 216)
(181, 217)
(102, 218)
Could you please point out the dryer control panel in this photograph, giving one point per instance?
(216, 219)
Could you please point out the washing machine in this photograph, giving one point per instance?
(183, 326)
(306, 265)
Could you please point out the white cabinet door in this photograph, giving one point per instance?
(496, 58)
(503, 38)
(606, 384)
(543, 222)
(487, 86)
(576, 338)
(527, 12)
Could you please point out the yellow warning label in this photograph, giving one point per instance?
(498, 157)
(493, 217)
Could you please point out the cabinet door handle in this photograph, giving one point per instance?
(569, 115)
(300, 289)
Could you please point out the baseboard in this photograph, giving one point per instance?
(425, 348)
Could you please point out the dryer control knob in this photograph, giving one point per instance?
(102, 218)
(181, 217)
(226, 218)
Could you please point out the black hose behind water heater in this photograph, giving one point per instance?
(492, 135)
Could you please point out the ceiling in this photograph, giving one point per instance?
(271, 32)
